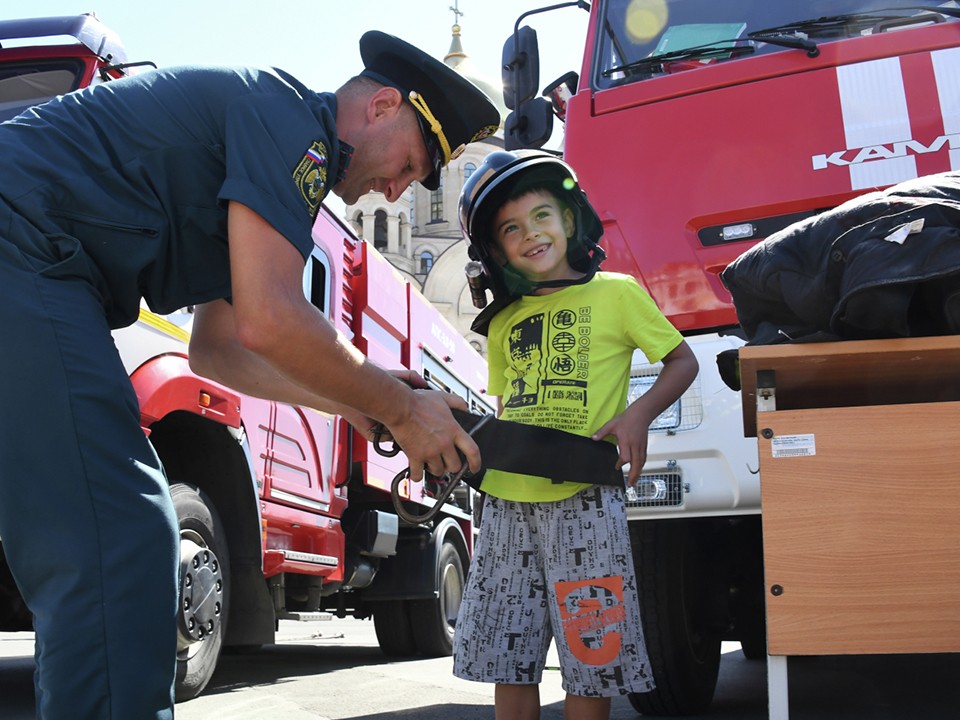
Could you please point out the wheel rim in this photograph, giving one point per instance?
(451, 594)
(201, 592)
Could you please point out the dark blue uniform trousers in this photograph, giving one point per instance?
(86, 520)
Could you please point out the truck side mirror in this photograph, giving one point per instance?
(529, 126)
(560, 91)
(520, 70)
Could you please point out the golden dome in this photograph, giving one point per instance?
(461, 62)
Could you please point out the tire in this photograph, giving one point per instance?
(754, 643)
(391, 620)
(434, 620)
(749, 612)
(676, 595)
(204, 575)
(14, 614)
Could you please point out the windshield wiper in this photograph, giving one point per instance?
(786, 39)
(723, 49)
(842, 25)
(701, 52)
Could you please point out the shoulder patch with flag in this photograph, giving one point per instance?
(311, 175)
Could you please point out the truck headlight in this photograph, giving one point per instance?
(669, 419)
(656, 489)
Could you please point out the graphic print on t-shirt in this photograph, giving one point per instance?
(526, 354)
(549, 358)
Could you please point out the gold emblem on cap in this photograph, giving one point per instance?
(484, 132)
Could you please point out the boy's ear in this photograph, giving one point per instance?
(569, 223)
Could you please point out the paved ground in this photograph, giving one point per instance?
(334, 671)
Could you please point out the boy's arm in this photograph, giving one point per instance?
(630, 427)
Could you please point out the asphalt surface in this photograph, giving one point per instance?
(335, 671)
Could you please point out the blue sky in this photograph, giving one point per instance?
(317, 41)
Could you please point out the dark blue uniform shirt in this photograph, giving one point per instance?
(140, 171)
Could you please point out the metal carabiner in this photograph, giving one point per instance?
(378, 431)
(451, 481)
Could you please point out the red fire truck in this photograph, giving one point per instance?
(698, 128)
(284, 512)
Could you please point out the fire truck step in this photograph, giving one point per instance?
(305, 616)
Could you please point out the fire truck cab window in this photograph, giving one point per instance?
(634, 32)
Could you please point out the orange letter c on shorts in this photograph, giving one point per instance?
(588, 615)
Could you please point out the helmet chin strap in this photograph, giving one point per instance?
(563, 283)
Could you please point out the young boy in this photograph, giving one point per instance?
(553, 560)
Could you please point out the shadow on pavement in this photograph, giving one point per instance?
(275, 663)
(878, 687)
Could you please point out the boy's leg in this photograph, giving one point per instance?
(517, 702)
(85, 516)
(577, 707)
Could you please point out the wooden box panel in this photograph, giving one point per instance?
(864, 536)
(862, 372)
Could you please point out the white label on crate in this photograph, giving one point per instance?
(793, 446)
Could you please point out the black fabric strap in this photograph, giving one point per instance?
(544, 452)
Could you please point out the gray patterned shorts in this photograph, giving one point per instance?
(560, 571)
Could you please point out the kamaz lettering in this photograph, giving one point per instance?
(885, 152)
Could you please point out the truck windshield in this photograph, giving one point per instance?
(642, 39)
(26, 84)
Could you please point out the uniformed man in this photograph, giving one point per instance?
(183, 186)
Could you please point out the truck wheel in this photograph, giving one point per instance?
(676, 595)
(436, 618)
(14, 614)
(391, 620)
(754, 644)
(204, 589)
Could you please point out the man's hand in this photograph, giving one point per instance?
(431, 438)
(372, 429)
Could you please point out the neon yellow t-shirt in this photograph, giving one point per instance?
(562, 360)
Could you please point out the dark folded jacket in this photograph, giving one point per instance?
(886, 264)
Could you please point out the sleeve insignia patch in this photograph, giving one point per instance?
(310, 176)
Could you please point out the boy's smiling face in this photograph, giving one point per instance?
(531, 235)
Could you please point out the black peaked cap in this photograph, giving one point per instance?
(462, 110)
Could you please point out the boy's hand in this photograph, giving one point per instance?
(631, 427)
(631, 436)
